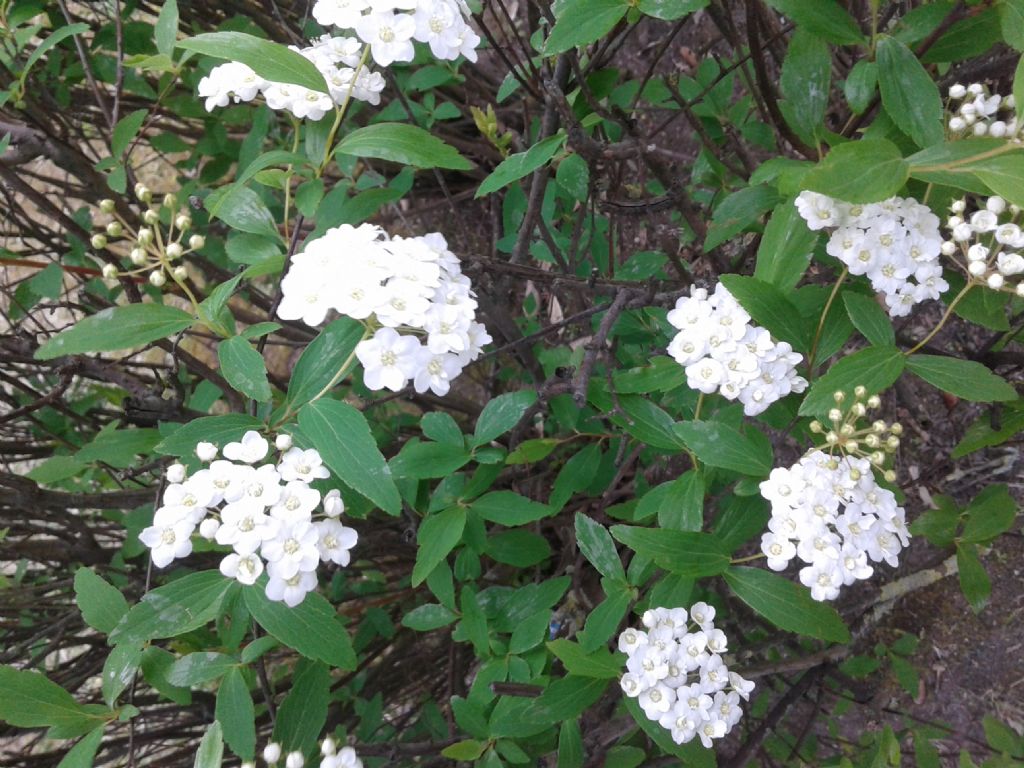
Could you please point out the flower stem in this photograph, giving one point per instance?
(942, 322)
(747, 559)
(821, 323)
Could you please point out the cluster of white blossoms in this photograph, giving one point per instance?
(894, 243)
(389, 27)
(675, 671)
(978, 112)
(265, 513)
(339, 60)
(828, 509)
(409, 287)
(989, 242)
(332, 756)
(721, 351)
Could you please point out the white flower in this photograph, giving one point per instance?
(305, 466)
(290, 590)
(206, 451)
(389, 360)
(252, 448)
(283, 442)
(296, 502)
(232, 80)
(435, 371)
(334, 505)
(168, 542)
(704, 615)
(334, 541)
(175, 473)
(339, 13)
(714, 728)
(389, 36)
(208, 528)
(244, 527)
(245, 568)
(293, 549)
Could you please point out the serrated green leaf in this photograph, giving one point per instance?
(787, 605)
(311, 627)
(862, 171)
(501, 414)
(272, 61)
(102, 604)
(874, 368)
(303, 713)
(870, 319)
(974, 581)
(116, 328)
(509, 509)
(719, 445)
(244, 369)
(211, 748)
(581, 22)
(597, 546)
(173, 609)
(684, 553)
(517, 166)
(402, 143)
(964, 378)
(909, 93)
(235, 712)
(437, 536)
(785, 249)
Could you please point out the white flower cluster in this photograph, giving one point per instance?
(895, 244)
(830, 512)
(414, 285)
(979, 112)
(676, 673)
(264, 513)
(721, 351)
(332, 756)
(389, 27)
(339, 60)
(989, 247)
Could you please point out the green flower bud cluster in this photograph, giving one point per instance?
(846, 434)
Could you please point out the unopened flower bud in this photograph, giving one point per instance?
(896, 429)
(975, 89)
(871, 440)
(859, 391)
(994, 281)
(137, 256)
(157, 279)
(958, 206)
(957, 124)
(839, 396)
(878, 458)
(858, 409)
(948, 248)
(208, 528)
(995, 204)
(852, 446)
(328, 747)
(109, 271)
(248, 764)
(142, 193)
(107, 205)
(874, 401)
(957, 91)
(835, 414)
(846, 430)
(980, 129)
(1020, 289)
(333, 503)
(174, 251)
(977, 268)
(272, 752)
(99, 242)
(176, 473)
(855, 474)
(151, 217)
(892, 442)
(831, 438)
(294, 760)
(170, 201)
(283, 442)
(145, 236)
(889, 475)
(879, 426)
(114, 229)
(206, 451)
(196, 242)
(180, 273)
(183, 222)
(816, 427)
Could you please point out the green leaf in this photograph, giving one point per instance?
(470, 749)
(303, 713)
(201, 667)
(244, 369)
(437, 536)
(874, 368)
(575, 475)
(174, 609)
(601, 664)
(669, 10)
(1003, 175)
(570, 745)
(566, 698)
(518, 547)
(770, 308)
(219, 430)
(1002, 738)
(83, 754)
(31, 700)
(271, 61)
(597, 546)
(964, 378)
(440, 426)
(474, 623)
(165, 33)
(604, 620)
(322, 358)
(974, 581)
(116, 328)
(785, 249)
(520, 164)
(530, 451)
(787, 605)
(61, 34)
(402, 143)
(573, 175)
(681, 552)
(824, 18)
(211, 748)
(909, 93)
(682, 508)
(938, 525)
(990, 514)
(235, 712)
(420, 460)
(509, 509)
(719, 445)
(156, 664)
(118, 671)
(501, 414)
(243, 209)
(806, 82)
(861, 85)
(428, 617)
(102, 604)
(342, 435)
(662, 374)
(125, 130)
(739, 211)
(870, 319)
(862, 171)
(1018, 82)
(1011, 22)
(312, 627)
(581, 22)
(982, 434)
